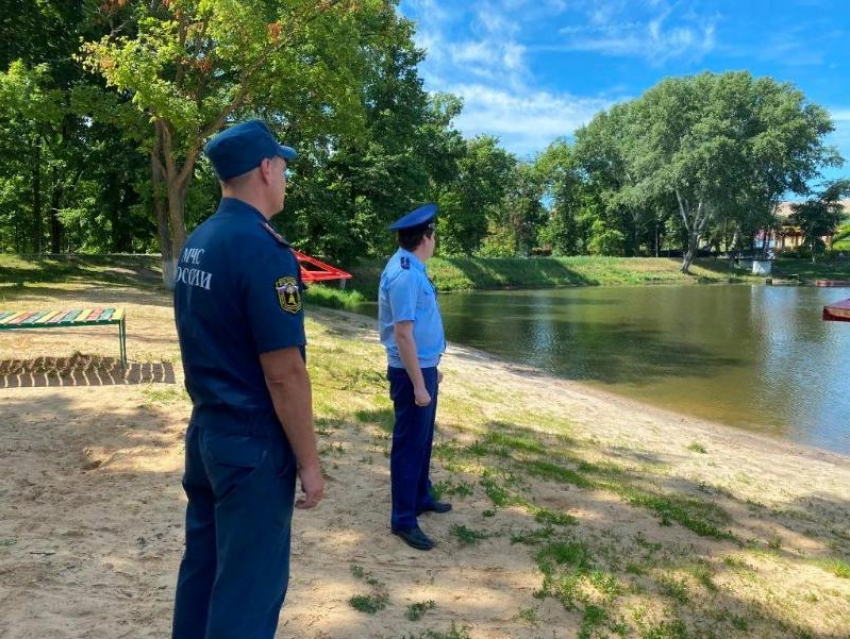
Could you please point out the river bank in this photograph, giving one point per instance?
(577, 513)
(448, 273)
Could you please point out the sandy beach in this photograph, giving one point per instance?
(91, 506)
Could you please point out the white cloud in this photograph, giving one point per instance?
(477, 53)
(615, 28)
(525, 123)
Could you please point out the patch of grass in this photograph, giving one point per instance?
(837, 567)
(416, 611)
(320, 295)
(605, 583)
(676, 589)
(667, 630)
(335, 449)
(533, 537)
(697, 448)
(739, 623)
(703, 572)
(524, 442)
(548, 470)
(467, 536)
(385, 419)
(453, 633)
(360, 573)
(369, 604)
(498, 494)
(552, 518)
(528, 615)
(158, 395)
(593, 617)
(467, 273)
(453, 489)
(695, 515)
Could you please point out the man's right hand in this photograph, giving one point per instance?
(421, 396)
(312, 485)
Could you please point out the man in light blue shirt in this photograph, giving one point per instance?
(412, 333)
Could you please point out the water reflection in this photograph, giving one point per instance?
(753, 357)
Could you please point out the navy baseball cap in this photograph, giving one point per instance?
(242, 148)
(418, 217)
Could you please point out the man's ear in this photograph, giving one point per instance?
(266, 168)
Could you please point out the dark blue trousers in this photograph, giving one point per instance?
(235, 568)
(413, 437)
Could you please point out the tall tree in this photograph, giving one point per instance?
(715, 140)
(484, 176)
(193, 65)
(819, 217)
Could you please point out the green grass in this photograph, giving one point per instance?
(824, 269)
(837, 567)
(127, 270)
(467, 536)
(330, 297)
(453, 633)
(452, 489)
(369, 604)
(467, 273)
(416, 611)
(676, 589)
(697, 448)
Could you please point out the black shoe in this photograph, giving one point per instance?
(415, 538)
(436, 507)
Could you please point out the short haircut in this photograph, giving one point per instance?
(410, 238)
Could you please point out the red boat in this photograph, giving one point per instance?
(838, 312)
(313, 270)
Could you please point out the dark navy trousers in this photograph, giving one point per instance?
(413, 438)
(235, 568)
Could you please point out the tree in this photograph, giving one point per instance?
(717, 140)
(819, 217)
(483, 179)
(565, 188)
(193, 65)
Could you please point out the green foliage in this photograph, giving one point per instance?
(466, 536)
(416, 611)
(369, 604)
(333, 297)
(104, 109)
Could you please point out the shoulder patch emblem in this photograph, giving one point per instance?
(405, 262)
(288, 294)
(277, 236)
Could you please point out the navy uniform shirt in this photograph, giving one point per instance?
(407, 294)
(237, 294)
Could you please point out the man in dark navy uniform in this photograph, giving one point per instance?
(412, 333)
(240, 321)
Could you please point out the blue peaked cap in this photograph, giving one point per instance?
(242, 148)
(420, 216)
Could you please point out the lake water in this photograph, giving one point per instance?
(756, 357)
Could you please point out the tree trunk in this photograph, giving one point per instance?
(693, 246)
(176, 180)
(162, 226)
(36, 198)
(176, 216)
(57, 230)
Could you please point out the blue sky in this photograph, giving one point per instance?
(532, 70)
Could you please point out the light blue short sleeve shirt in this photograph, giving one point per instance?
(406, 294)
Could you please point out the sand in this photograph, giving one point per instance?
(91, 507)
